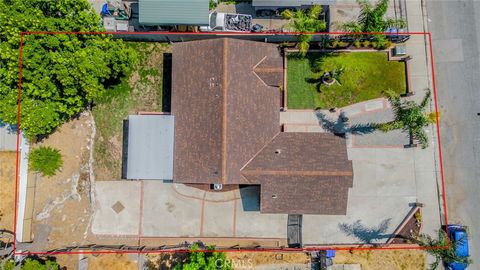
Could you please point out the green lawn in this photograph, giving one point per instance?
(365, 76)
(146, 88)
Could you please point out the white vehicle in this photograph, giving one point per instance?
(228, 22)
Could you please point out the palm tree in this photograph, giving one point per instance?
(372, 19)
(409, 116)
(305, 22)
(441, 249)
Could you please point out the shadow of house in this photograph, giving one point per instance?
(167, 82)
(366, 234)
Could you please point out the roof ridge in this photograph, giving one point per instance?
(224, 110)
(259, 151)
(255, 73)
(300, 173)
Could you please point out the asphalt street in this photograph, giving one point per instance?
(455, 27)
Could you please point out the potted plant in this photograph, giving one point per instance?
(331, 77)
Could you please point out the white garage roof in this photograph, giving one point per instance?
(149, 152)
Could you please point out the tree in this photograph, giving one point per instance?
(305, 22)
(45, 160)
(447, 254)
(372, 19)
(205, 260)
(32, 264)
(61, 73)
(409, 116)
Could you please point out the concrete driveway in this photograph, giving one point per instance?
(158, 209)
(385, 185)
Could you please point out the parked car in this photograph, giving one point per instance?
(228, 22)
(458, 234)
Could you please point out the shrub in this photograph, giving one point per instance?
(337, 44)
(45, 160)
(357, 44)
(366, 44)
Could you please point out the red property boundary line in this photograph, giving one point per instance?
(223, 34)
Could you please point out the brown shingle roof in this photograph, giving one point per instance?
(302, 173)
(227, 130)
(224, 113)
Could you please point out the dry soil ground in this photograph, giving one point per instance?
(62, 208)
(7, 189)
(383, 259)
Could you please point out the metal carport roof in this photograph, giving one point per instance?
(149, 153)
(174, 12)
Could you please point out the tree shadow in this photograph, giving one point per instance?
(342, 125)
(366, 234)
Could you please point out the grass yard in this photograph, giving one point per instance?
(365, 76)
(146, 88)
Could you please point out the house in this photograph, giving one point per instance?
(226, 110)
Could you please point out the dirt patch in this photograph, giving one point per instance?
(165, 261)
(146, 88)
(111, 262)
(383, 259)
(62, 206)
(7, 189)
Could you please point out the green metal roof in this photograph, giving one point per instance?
(173, 12)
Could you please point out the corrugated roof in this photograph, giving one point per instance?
(150, 147)
(174, 12)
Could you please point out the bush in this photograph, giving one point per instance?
(32, 264)
(337, 44)
(366, 44)
(45, 160)
(204, 259)
(212, 4)
(357, 44)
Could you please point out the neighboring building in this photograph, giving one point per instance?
(173, 12)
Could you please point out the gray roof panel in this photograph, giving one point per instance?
(150, 147)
